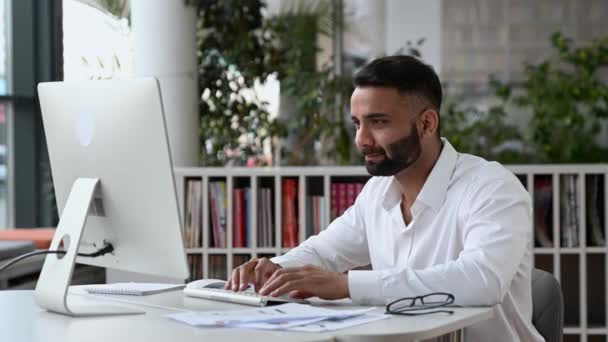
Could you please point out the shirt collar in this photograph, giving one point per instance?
(434, 190)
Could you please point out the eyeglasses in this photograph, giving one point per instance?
(421, 305)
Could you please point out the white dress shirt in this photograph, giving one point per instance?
(471, 236)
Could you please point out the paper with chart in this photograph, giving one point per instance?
(318, 324)
(281, 317)
(340, 323)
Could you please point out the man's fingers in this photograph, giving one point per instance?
(264, 269)
(288, 286)
(234, 279)
(245, 277)
(281, 271)
(278, 279)
(258, 274)
(246, 274)
(273, 277)
(240, 276)
(300, 294)
(266, 276)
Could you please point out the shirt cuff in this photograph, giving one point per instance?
(285, 262)
(365, 287)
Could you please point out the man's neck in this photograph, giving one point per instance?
(412, 179)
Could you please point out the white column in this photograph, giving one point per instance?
(165, 47)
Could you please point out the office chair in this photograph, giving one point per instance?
(547, 305)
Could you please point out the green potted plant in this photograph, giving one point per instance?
(567, 99)
(236, 48)
(569, 102)
(317, 96)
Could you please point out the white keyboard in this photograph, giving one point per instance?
(207, 289)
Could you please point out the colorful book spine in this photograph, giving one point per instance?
(310, 223)
(334, 201)
(342, 199)
(247, 217)
(289, 215)
(222, 204)
(237, 218)
(214, 212)
(351, 194)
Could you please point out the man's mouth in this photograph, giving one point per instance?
(374, 157)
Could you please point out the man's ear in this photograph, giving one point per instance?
(429, 122)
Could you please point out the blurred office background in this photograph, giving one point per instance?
(267, 83)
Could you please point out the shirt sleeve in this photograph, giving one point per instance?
(340, 247)
(496, 233)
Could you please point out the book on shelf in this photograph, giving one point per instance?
(217, 266)
(334, 201)
(342, 200)
(192, 217)
(315, 215)
(351, 195)
(595, 202)
(239, 259)
(248, 204)
(309, 216)
(218, 204)
(289, 213)
(569, 217)
(239, 219)
(195, 263)
(265, 225)
(197, 226)
(188, 214)
(543, 211)
(214, 216)
(343, 196)
(269, 228)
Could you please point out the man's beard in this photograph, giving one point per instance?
(398, 155)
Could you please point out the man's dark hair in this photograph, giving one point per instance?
(407, 74)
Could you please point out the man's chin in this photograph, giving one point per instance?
(376, 169)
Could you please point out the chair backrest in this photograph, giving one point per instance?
(547, 305)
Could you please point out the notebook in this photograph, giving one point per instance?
(132, 289)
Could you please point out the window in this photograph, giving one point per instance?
(5, 110)
(97, 40)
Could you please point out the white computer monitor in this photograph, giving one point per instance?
(113, 180)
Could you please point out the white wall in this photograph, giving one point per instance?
(411, 20)
(364, 28)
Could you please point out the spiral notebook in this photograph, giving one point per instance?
(132, 289)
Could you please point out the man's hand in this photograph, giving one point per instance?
(307, 281)
(256, 271)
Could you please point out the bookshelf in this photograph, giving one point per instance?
(570, 215)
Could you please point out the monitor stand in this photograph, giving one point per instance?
(53, 283)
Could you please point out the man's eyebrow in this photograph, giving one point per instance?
(370, 116)
(375, 115)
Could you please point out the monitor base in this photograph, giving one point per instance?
(52, 287)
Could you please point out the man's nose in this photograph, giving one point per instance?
(363, 138)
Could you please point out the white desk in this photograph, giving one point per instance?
(21, 320)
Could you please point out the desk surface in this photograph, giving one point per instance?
(22, 320)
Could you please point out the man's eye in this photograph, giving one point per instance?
(378, 122)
